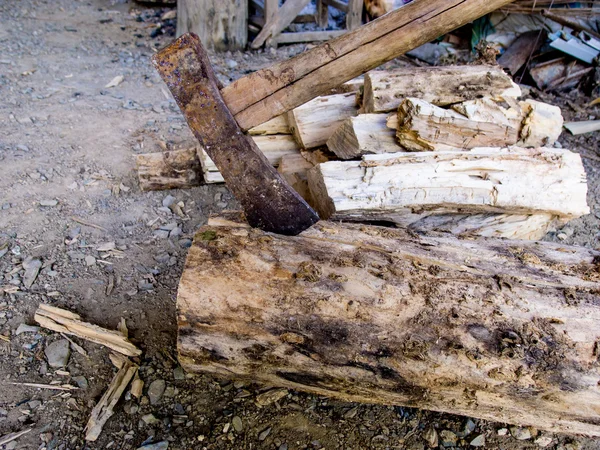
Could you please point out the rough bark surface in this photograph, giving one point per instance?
(502, 330)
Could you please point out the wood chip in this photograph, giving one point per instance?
(78, 348)
(12, 436)
(52, 387)
(64, 321)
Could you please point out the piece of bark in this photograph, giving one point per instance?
(105, 407)
(277, 125)
(423, 126)
(63, 321)
(500, 330)
(542, 124)
(385, 90)
(177, 169)
(274, 90)
(363, 135)
(273, 147)
(314, 122)
(483, 180)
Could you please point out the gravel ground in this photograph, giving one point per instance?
(68, 192)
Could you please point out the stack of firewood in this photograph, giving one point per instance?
(444, 148)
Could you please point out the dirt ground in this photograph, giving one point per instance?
(68, 185)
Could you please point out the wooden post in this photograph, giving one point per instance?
(221, 24)
(322, 14)
(354, 14)
(501, 330)
(284, 17)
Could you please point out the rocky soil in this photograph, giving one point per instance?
(76, 232)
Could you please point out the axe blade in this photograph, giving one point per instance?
(268, 201)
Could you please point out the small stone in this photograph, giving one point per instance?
(34, 404)
(24, 328)
(156, 391)
(263, 434)
(543, 441)
(149, 419)
(58, 353)
(431, 437)
(48, 202)
(11, 445)
(467, 430)
(522, 434)
(178, 373)
(185, 243)
(351, 413)
(561, 236)
(176, 232)
(163, 445)
(448, 438)
(161, 234)
(90, 261)
(81, 381)
(558, 145)
(32, 268)
(502, 431)
(168, 201)
(22, 147)
(479, 441)
(237, 424)
(231, 63)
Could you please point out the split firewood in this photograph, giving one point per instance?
(314, 122)
(177, 169)
(273, 147)
(542, 124)
(385, 90)
(105, 407)
(500, 330)
(423, 126)
(363, 135)
(484, 180)
(294, 168)
(277, 125)
(63, 321)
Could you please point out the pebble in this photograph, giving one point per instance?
(90, 261)
(34, 404)
(156, 391)
(81, 381)
(543, 441)
(178, 373)
(161, 234)
(231, 63)
(522, 434)
(448, 438)
(32, 268)
(269, 397)
(24, 328)
(163, 445)
(58, 353)
(502, 431)
(149, 419)
(479, 441)
(168, 201)
(185, 243)
(176, 232)
(22, 147)
(263, 434)
(6, 206)
(467, 430)
(48, 202)
(237, 424)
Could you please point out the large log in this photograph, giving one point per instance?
(484, 180)
(501, 330)
(272, 91)
(221, 24)
(385, 90)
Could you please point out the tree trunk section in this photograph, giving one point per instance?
(221, 24)
(501, 330)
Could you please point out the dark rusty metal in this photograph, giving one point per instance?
(268, 201)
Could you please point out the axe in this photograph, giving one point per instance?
(219, 117)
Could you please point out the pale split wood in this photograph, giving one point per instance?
(269, 92)
(500, 330)
(104, 410)
(277, 125)
(314, 122)
(280, 21)
(178, 169)
(385, 90)
(274, 147)
(484, 180)
(63, 321)
(542, 124)
(362, 135)
(423, 126)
